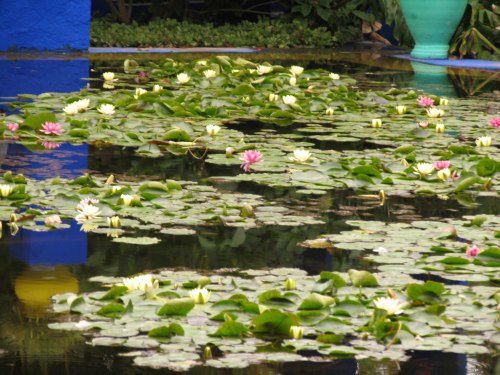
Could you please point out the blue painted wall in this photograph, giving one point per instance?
(44, 24)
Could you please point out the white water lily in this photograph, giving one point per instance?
(83, 324)
(6, 190)
(71, 109)
(114, 222)
(200, 296)
(300, 155)
(52, 220)
(435, 112)
(334, 76)
(439, 127)
(424, 169)
(401, 109)
(210, 73)
(444, 174)
(264, 69)
(393, 306)
(144, 283)
(87, 211)
(138, 92)
(212, 130)
(296, 332)
(273, 97)
(128, 199)
(157, 88)
(183, 78)
(443, 101)
(106, 109)
(296, 70)
(108, 76)
(292, 81)
(329, 111)
(201, 62)
(483, 141)
(289, 99)
(376, 123)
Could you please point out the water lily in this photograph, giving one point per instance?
(439, 127)
(441, 164)
(83, 324)
(129, 199)
(183, 78)
(157, 88)
(106, 109)
(108, 76)
(53, 128)
(87, 210)
(210, 73)
(114, 222)
(71, 109)
(264, 69)
(289, 99)
(212, 130)
(50, 145)
(300, 155)
(329, 111)
(425, 101)
(52, 220)
(81, 104)
(393, 306)
(290, 284)
(472, 251)
(423, 124)
(6, 190)
(401, 109)
(273, 97)
(292, 81)
(296, 332)
(483, 141)
(229, 151)
(13, 126)
(144, 283)
(200, 296)
(250, 157)
(495, 122)
(424, 169)
(435, 112)
(334, 76)
(139, 91)
(201, 62)
(443, 101)
(296, 70)
(444, 174)
(376, 123)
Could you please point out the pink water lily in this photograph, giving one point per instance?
(495, 122)
(441, 164)
(472, 251)
(425, 101)
(51, 145)
(249, 158)
(51, 128)
(12, 126)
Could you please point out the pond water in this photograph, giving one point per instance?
(35, 265)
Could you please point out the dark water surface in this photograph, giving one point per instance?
(35, 266)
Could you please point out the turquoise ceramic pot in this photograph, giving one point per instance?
(432, 24)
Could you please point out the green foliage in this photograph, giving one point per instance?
(172, 33)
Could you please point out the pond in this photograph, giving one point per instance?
(193, 213)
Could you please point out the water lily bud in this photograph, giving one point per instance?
(329, 111)
(129, 200)
(401, 109)
(207, 353)
(114, 222)
(138, 92)
(382, 196)
(157, 88)
(440, 127)
(245, 99)
(290, 284)
(110, 179)
(443, 101)
(13, 217)
(296, 332)
(247, 211)
(376, 123)
(273, 97)
(444, 174)
(183, 78)
(229, 152)
(13, 229)
(391, 293)
(292, 81)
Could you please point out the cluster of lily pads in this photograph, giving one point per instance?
(105, 206)
(401, 138)
(180, 319)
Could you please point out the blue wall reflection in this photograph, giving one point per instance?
(35, 76)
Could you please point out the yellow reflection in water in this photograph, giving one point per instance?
(37, 284)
